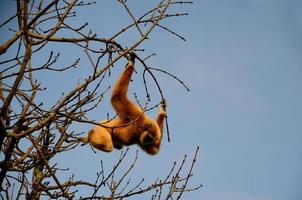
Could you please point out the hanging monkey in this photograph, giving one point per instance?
(132, 125)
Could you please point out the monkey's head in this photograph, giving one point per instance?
(150, 140)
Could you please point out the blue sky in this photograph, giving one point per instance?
(248, 88)
(242, 61)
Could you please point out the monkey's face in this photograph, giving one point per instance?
(147, 138)
(150, 142)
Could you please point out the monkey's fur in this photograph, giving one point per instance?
(132, 126)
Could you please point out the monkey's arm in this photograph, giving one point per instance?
(121, 86)
(161, 115)
(126, 109)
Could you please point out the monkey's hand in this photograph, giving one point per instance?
(131, 57)
(163, 106)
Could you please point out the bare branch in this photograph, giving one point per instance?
(34, 132)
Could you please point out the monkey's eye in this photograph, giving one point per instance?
(148, 139)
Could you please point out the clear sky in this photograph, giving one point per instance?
(243, 63)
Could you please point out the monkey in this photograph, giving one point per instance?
(132, 125)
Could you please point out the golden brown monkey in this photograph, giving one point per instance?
(132, 125)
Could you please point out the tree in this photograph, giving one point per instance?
(33, 132)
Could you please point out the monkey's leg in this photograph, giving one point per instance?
(100, 138)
